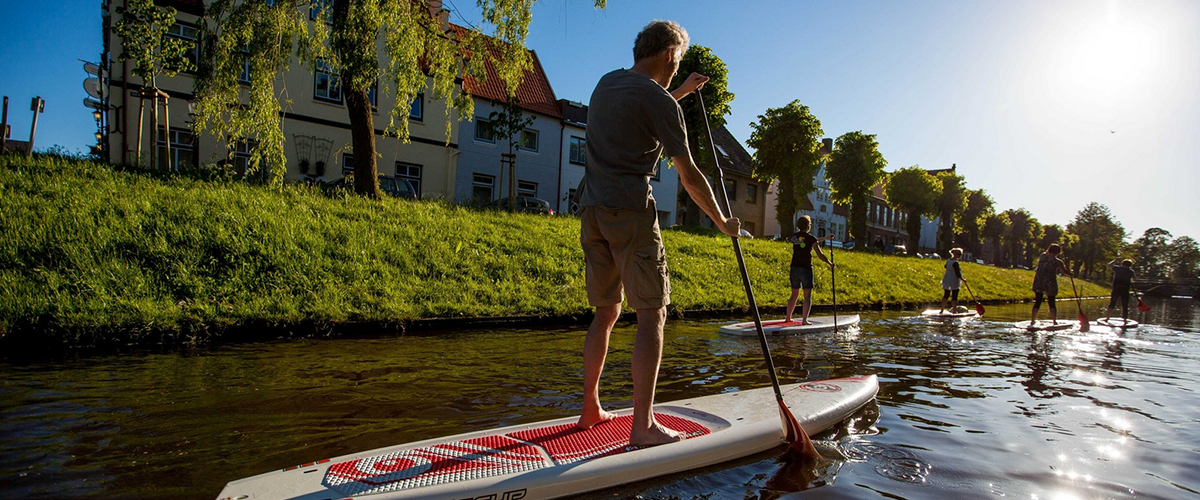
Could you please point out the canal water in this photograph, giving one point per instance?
(966, 409)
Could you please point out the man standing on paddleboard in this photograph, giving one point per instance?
(632, 121)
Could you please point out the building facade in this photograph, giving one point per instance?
(316, 126)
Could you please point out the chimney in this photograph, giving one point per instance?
(826, 145)
(442, 15)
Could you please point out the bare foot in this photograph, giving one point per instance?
(654, 436)
(589, 420)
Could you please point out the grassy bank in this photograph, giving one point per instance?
(92, 254)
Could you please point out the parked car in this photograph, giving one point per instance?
(393, 186)
(526, 204)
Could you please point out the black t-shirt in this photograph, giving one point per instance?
(1122, 276)
(802, 244)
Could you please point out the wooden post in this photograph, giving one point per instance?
(141, 120)
(37, 106)
(167, 129)
(4, 128)
(154, 130)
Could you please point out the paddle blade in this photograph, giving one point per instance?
(1084, 324)
(979, 308)
(798, 440)
(1142, 306)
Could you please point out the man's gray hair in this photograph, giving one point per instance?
(659, 36)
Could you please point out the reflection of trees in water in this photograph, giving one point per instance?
(1040, 363)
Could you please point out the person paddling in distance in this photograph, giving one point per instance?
(1045, 281)
(632, 121)
(1121, 284)
(952, 280)
(800, 273)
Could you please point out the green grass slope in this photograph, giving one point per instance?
(90, 253)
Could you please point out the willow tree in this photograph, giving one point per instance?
(398, 47)
(916, 192)
(787, 148)
(701, 59)
(854, 167)
(951, 207)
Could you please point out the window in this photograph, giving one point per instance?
(244, 77)
(183, 149)
(752, 193)
(484, 131)
(323, 9)
(371, 93)
(822, 208)
(347, 164)
(731, 189)
(327, 86)
(529, 141)
(572, 204)
(412, 172)
(416, 110)
(527, 188)
(482, 187)
(578, 150)
(187, 33)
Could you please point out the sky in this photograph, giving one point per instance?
(1047, 105)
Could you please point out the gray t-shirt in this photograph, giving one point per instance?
(631, 122)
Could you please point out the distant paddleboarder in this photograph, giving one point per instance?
(1122, 282)
(632, 121)
(952, 280)
(800, 273)
(1045, 281)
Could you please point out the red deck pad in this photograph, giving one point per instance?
(437, 464)
(489, 456)
(566, 443)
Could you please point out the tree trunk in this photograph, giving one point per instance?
(858, 221)
(362, 134)
(913, 227)
(785, 209)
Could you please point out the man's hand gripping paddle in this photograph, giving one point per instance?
(794, 433)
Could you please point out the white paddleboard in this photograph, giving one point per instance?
(555, 459)
(935, 313)
(1045, 326)
(1117, 322)
(817, 324)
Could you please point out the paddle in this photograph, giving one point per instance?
(1142, 306)
(1084, 326)
(833, 285)
(978, 305)
(794, 433)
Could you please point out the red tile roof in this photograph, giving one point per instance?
(534, 92)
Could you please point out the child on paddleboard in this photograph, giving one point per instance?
(1045, 281)
(801, 271)
(1122, 282)
(952, 280)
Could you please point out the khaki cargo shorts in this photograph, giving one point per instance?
(623, 251)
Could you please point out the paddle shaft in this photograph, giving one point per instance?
(833, 286)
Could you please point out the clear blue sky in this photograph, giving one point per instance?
(1047, 104)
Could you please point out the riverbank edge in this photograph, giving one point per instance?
(198, 335)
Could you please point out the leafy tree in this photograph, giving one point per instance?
(143, 28)
(1052, 233)
(1100, 237)
(1036, 235)
(415, 53)
(1019, 232)
(995, 228)
(1151, 253)
(854, 167)
(951, 207)
(506, 124)
(787, 148)
(915, 192)
(979, 207)
(700, 59)
(1184, 258)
